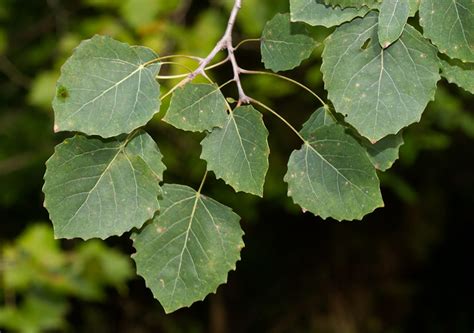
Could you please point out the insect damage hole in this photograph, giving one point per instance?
(366, 44)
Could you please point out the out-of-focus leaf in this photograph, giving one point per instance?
(43, 89)
(139, 13)
(35, 314)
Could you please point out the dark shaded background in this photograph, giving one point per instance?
(405, 268)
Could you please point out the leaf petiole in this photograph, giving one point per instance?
(245, 41)
(266, 107)
(171, 56)
(246, 71)
(169, 92)
(179, 76)
(202, 183)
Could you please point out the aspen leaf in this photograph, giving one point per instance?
(105, 88)
(187, 250)
(315, 12)
(380, 91)
(197, 107)
(332, 176)
(99, 188)
(284, 44)
(238, 152)
(450, 26)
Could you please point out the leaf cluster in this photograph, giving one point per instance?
(380, 72)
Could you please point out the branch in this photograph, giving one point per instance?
(225, 43)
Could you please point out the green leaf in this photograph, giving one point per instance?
(450, 26)
(461, 74)
(142, 13)
(315, 12)
(319, 118)
(105, 89)
(392, 19)
(384, 153)
(379, 90)
(352, 3)
(284, 44)
(332, 176)
(100, 188)
(35, 314)
(197, 107)
(186, 252)
(414, 6)
(238, 152)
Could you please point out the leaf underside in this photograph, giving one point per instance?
(284, 44)
(105, 90)
(99, 188)
(379, 90)
(238, 152)
(187, 250)
(384, 152)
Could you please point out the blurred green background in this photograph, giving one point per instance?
(405, 268)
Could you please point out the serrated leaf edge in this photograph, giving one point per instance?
(102, 237)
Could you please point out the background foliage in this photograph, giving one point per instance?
(404, 268)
